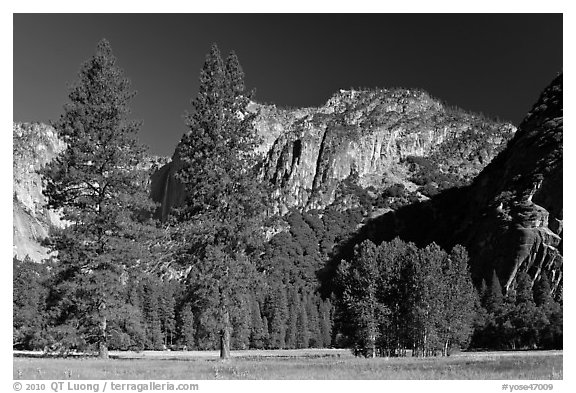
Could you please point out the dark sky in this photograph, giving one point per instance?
(491, 63)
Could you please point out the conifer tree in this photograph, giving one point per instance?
(152, 312)
(492, 315)
(292, 324)
(550, 334)
(279, 322)
(493, 302)
(543, 293)
(266, 333)
(482, 318)
(134, 322)
(257, 327)
(167, 311)
(302, 328)
(313, 321)
(506, 333)
(241, 322)
(527, 319)
(483, 291)
(224, 199)
(326, 323)
(29, 304)
(186, 327)
(103, 194)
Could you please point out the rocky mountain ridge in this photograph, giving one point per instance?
(365, 134)
(510, 218)
(369, 136)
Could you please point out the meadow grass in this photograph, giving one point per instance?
(296, 365)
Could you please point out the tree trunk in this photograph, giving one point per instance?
(225, 337)
(103, 343)
(103, 350)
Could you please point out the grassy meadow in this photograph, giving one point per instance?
(292, 364)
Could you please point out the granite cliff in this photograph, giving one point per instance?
(517, 203)
(510, 218)
(369, 135)
(34, 145)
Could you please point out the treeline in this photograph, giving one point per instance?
(158, 314)
(527, 316)
(389, 300)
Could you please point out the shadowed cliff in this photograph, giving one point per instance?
(509, 218)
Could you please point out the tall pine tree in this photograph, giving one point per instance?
(302, 332)
(224, 199)
(103, 194)
(292, 318)
(278, 325)
(493, 299)
(186, 327)
(257, 327)
(326, 323)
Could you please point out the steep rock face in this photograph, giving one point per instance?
(34, 145)
(521, 192)
(365, 134)
(510, 217)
